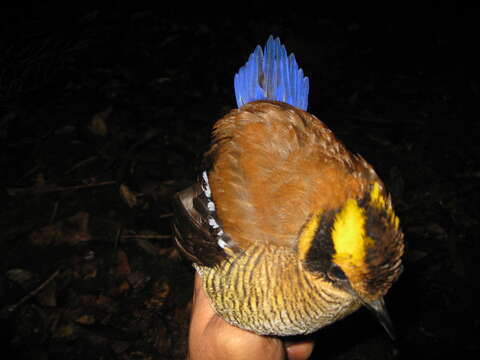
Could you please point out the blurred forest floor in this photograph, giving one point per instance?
(105, 113)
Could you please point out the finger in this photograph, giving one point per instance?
(299, 350)
(202, 312)
(211, 337)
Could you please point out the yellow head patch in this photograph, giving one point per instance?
(348, 234)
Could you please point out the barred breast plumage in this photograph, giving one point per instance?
(267, 290)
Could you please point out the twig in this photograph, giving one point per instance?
(146, 236)
(51, 188)
(32, 293)
(81, 163)
(118, 236)
(28, 173)
(167, 215)
(54, 212)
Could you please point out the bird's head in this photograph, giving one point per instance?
(358, 247)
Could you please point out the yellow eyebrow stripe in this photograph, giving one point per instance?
(378, 201)
(348, 235)
(308, 234)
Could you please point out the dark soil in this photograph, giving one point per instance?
(106, 110)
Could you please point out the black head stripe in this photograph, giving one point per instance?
(383, 259)
(319, 256)
(376, 224)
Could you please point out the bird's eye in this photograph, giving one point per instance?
(335, 273)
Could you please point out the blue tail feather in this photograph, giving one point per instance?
(271, 75)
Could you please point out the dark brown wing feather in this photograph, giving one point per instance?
(194, 235)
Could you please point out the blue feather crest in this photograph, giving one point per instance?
(271, 75)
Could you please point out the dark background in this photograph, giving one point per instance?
(105, 110)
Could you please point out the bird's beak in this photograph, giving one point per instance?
(377, 307)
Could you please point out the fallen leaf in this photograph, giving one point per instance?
(161, 291)
(124, 286)
(85, 266)
(22, 277)
(64, 330)
(48, 296)
(86, 319)
(163, 342)
(103, 300)
(128, 196)
(72, 230)
(138, 279)
(39, 180)
(98, 125)
(119, 347)
(46, 235)
(147, 246)
(122, 267)
(174, 254)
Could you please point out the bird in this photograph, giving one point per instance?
(288, 230)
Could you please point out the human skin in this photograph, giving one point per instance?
(212, 338)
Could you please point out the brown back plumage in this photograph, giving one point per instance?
(275, 165)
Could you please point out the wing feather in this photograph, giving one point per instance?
(197, 231)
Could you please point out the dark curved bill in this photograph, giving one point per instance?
(378, 309)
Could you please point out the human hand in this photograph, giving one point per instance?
(212, 338)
